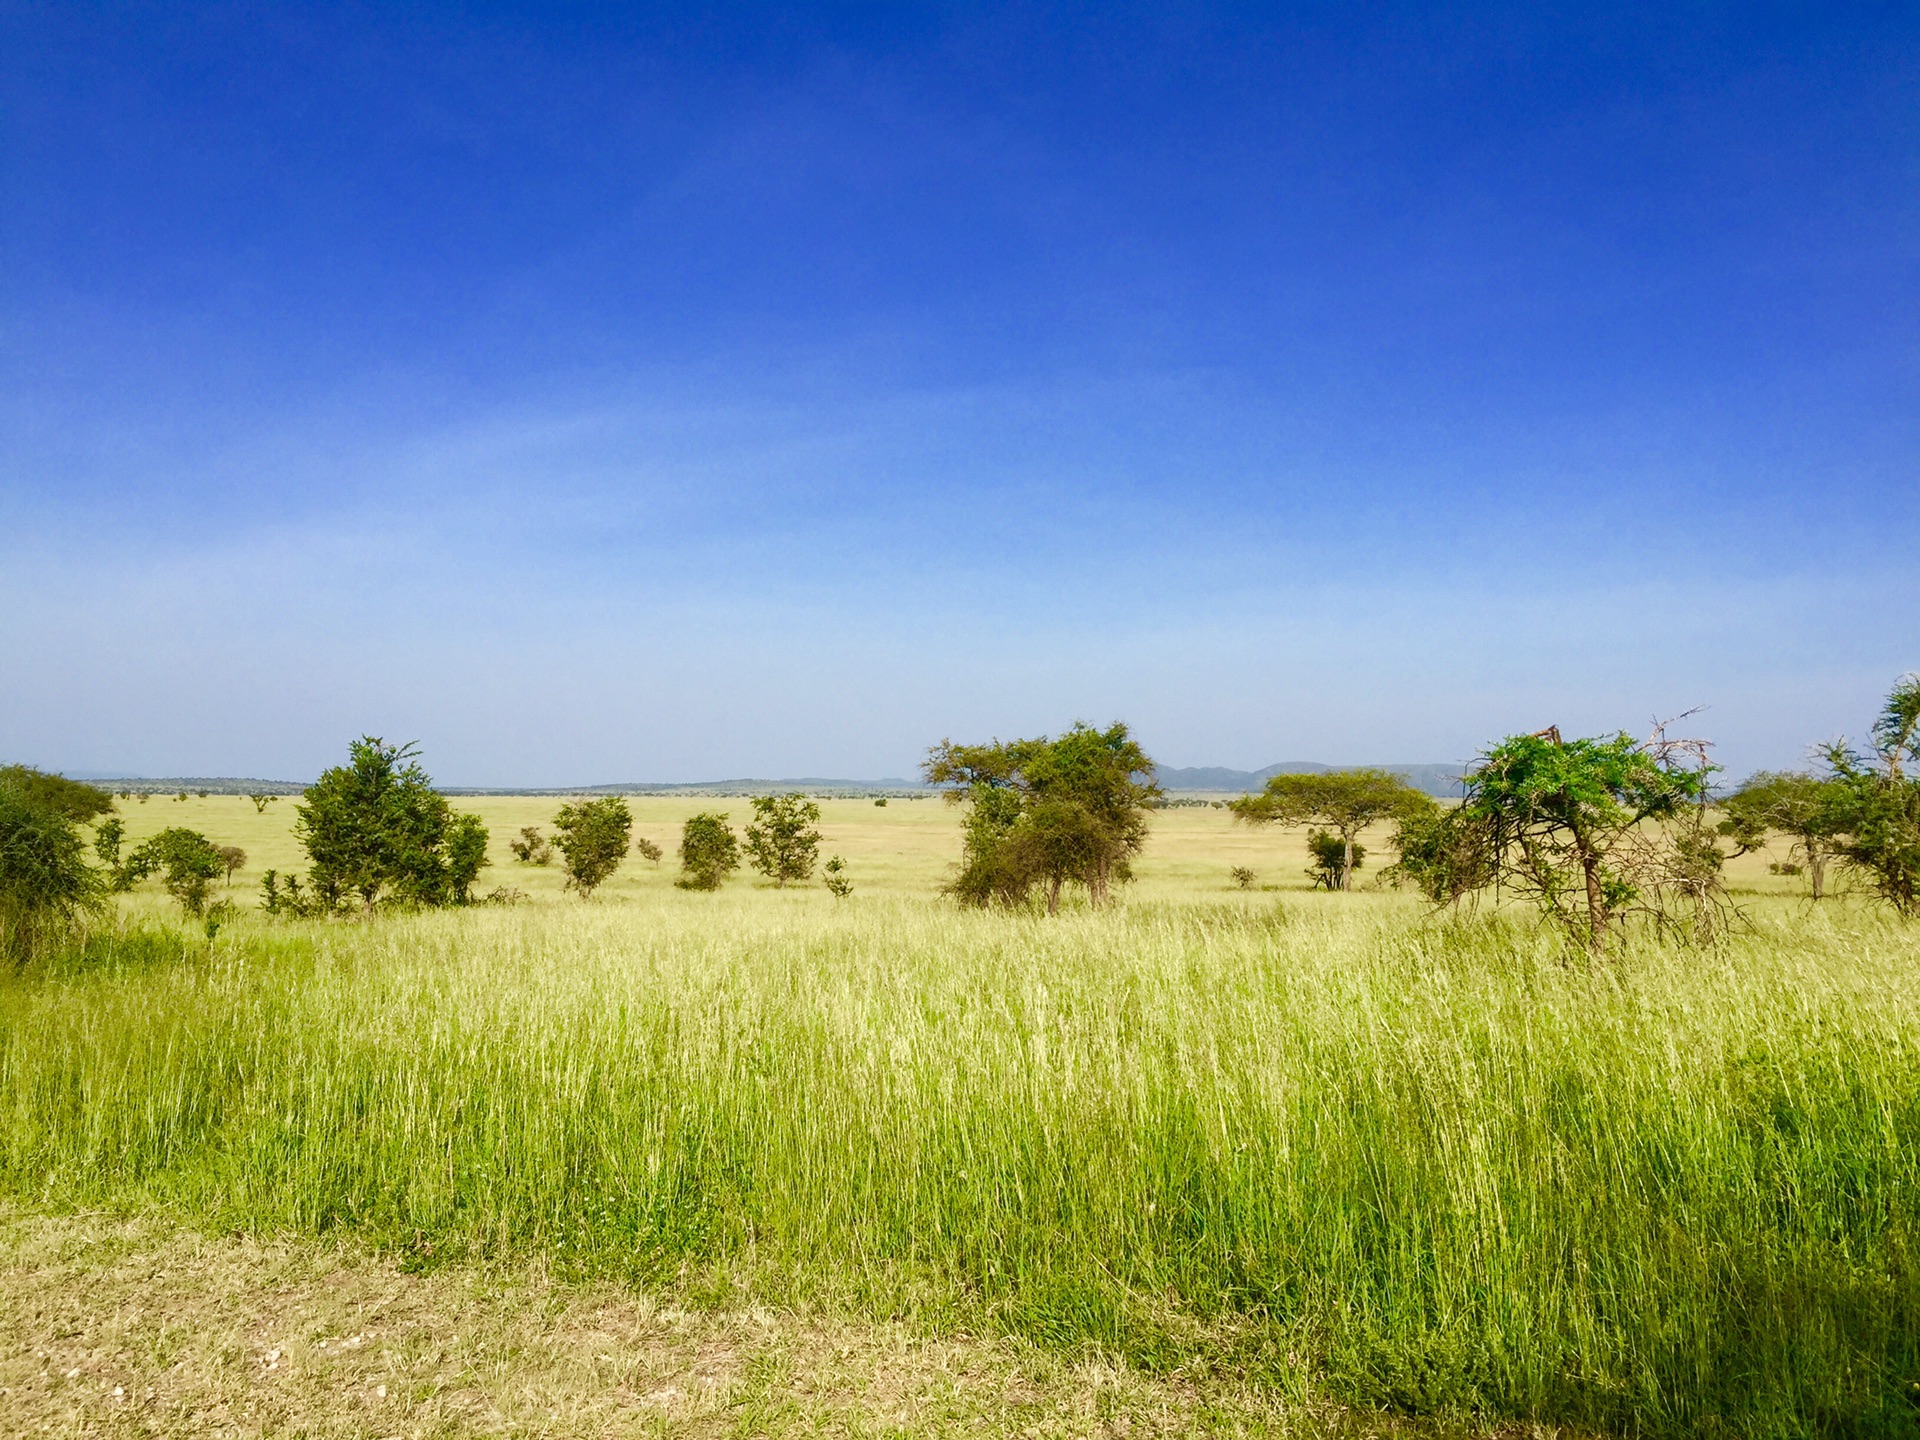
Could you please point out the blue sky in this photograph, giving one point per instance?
(679, 394)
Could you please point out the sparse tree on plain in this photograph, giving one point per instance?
(592, 838)
(188, 864)
(709, 852)
(232, 857)
(532, 848)
(647, 850)
(1047, 812)
(838, 883)
(1586, 829)
(1796, 805)
(1342, 802)
(783, 837)
(260, 802)
(375, 830)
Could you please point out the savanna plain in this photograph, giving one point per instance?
(763, 1161)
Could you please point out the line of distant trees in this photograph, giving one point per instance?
(1594, 831)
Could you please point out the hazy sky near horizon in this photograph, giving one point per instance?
(694, 393)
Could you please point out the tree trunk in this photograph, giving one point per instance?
(1098, 889)
(1817, 869)
(1053, 896)
(1346, 862)
(1596, 904)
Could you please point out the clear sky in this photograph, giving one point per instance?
(681, 394)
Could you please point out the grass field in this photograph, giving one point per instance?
(1322, 1146)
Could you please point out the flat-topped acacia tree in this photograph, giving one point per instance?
(1344, 802)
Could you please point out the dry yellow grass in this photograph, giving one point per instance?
(117, 1327)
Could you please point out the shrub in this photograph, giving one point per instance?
(532, 848)
(708, 852)
(836, 878)
(593, 838)
(1243, 877)
(47, 889)
(647, 850)
(188, 863)
(784, 838)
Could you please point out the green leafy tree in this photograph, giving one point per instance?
(647, 850)
(375, 830)
(1575, 826)
(232, 857)
(783, 838)
(1875, 803)
(465, 851)
(1341, 802)
(1335, 859)
(592, 839)
(108, 836)
(709, 852)
(1799, 806)
(531, 848)
(1047, 812)
(188, 864)
(260, 802)
(47, 889)
(839, 884)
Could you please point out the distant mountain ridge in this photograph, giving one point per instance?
(1442, 780)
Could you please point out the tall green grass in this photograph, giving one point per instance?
(1426, 1164)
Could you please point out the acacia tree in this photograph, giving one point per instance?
(1573, 825)
(376, 829)
(592, 839)
(783, 839)
(1047, 812)
(1790, 803)
(1344, 802)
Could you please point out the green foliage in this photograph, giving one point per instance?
(1344, 802)
(1243, 877)
(1335, 859)
(593, 839)
(647, 850)
(1047, 813)
(47, 889)
(108, 836)
(709, 851)
(532, 848)
(1788, 803)
(232, 858)
(465, 852)
(783, 838)
(837, 881)
(188, 864)
(260, 802)
(55, 795)
(376, 831)
(1576, 827)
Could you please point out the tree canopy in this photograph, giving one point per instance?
(375, 829)
(46, 885)
(591, 836)
(783, 839)
(1874, 803)
(1344, 802)
(1790, 803)
(709, 851)
(1573, 825)
(1047, 812)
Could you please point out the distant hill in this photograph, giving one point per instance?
(1439, 780)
